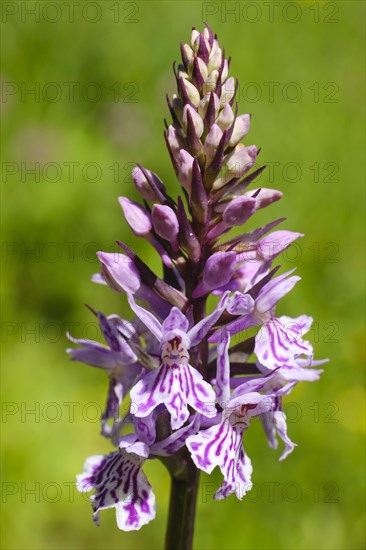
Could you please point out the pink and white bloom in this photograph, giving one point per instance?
(176, 384)
(120, 483)
(221, 445)
(279, 341)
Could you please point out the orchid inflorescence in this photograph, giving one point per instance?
(192, 393)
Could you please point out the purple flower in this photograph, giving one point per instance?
(176, 384)
(118, 360)
(221, 445)
(119, 483)
(279, 342)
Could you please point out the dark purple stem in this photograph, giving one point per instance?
(182, 508)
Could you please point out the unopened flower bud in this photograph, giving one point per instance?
(240, 161)
(225, 71)
(194, 37)
(136, 216)
(215, 59)
(241, 128)
(188, 52)
(119, 272)
(197, 120)
(182, 73)
(239, 210)
(204, 103)
(210, 84)
(175, 140)
(226, 117)
(190, 91)
(228, 91)
(185, 170)
(143, 186)
(264, 197)
(197, 65)
(165, 224)
(219, 269)
(207, 33)
(177, 105)
(211, 143)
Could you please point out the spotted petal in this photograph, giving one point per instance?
(175, 320)
(119, 483)
(145, 427)
(222, 446)
(176, 386)
(277, 344)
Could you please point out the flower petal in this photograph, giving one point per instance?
(222, 446)
(176, 386)
(146, 317)
(115, 340)
(223, 369)
(145, 428)
(111, 411)
(200, 330)
(274, 422)
(175, 320)
(276, 242)
(137, 217)
(274, 290)
(93, 354)
(119, 482)
(240, 304)
(119, 272)
(276, 346)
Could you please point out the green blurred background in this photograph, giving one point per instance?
(99, 72)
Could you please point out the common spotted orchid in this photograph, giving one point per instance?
(192, 392)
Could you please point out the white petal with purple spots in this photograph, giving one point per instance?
(119, 483)
(277, 344)
(222, 446)
(176, 386)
